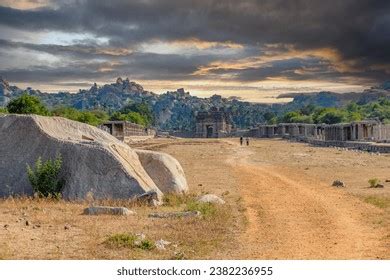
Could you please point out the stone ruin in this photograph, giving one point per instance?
(366, 135)
(215, 123)
(124, 130)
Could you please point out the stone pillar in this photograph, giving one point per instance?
(283, 130)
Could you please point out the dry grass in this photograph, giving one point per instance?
(86, 237)
(58, 230)
(378, 201)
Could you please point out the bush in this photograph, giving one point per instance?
(94, 117)
(27, 104)
(176, 200)
(133, 117)
(124, 240)
(44, 177)
(206, 209)
(121, 240)
(373, 182)
(143, 112)
(146, 245)
(330, 116)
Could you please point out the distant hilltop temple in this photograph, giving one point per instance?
(215, 123)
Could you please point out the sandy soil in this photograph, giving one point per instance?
(291, 209)
(280, 205)
(293, 215)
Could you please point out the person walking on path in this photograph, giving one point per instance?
(241, 140)
(247, 141)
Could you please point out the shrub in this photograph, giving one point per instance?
(146, 245)
(44, 177)
(144, 112)
(329, 115)
(121, 240)
(373, 182)
(94, 117)
(206, 209)
(126, 240)
(133, 117)
(27, 104)
(176, 200)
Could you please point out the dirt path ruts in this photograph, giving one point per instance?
(291, 220)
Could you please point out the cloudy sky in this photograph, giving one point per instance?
(254, 49)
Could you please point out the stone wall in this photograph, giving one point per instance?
(124, 130)
(364, 135)
(363, 146)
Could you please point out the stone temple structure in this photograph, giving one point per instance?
(367, 130)
(370, 135)
(215, 123)
(123, 130)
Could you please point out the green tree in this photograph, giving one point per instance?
(353, 107)
(354, 116)
(27, 104)
(330, 116)
(290, 117)
(3, 110)
(118, 116)
(308, 109)
(89, 118)
(94, 117)
(296, 117)
(136, 117)
(133, 117)
(101, 115)
(141, 108)
(269, 117)
(66, 112)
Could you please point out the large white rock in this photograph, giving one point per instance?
(93, 160)
(164, 170)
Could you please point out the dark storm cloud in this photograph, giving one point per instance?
(76, 50)
(357, 29)
(282, 68)
(136, 65)
(297, 70)
(142, 65)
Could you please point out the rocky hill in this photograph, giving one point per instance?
(176, 110)
(173, 110)
(333, 99)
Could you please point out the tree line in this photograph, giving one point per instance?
(138, 113)
(379, 110)
(141, 113)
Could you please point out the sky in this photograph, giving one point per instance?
(254, 49)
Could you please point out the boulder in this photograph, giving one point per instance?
(164, 170)
(105, 210)
(182, 214)
(93, 161)
(151, 198)
(160, 244)
(338, 184)
(211, 198)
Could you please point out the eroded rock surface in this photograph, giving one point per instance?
(93, 160)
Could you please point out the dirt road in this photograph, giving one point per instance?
(279, 205)
(292, 217)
